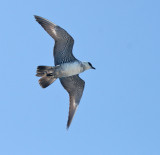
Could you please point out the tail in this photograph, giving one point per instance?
(45, 72)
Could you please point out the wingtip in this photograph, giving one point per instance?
(68, 124)
(67, 127)
(36, 17)
(42, 21)
(72, 112)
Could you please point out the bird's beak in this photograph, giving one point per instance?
(93, 67)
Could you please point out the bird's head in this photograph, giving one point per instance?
(88, 65)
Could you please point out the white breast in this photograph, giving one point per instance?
(72, 68)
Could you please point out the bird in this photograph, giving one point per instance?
(67, 68)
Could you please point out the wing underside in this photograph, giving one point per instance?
(74, 86)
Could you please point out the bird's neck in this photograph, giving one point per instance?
(85, 65)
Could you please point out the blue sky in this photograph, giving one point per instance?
(119, 111)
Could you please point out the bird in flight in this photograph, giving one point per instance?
(67, 68)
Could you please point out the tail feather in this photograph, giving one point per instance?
(44, 68)
(45, 72)
(46, 81)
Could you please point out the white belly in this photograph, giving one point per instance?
(69, 69)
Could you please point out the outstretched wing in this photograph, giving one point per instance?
(63, 41)
(74, 86)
